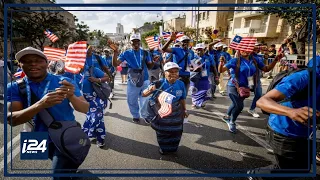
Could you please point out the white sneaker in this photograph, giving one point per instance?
(111, 95)
(253, 113)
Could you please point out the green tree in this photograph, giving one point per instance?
(297, 17)
(147, 34)
(82, 31)
(32, 26)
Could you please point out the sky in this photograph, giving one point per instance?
(107, 20)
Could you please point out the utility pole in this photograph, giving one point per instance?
(198, 22)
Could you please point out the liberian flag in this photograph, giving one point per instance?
(76, 57)
(165, 100)
(54, 54)
(53, 38)
(153, 41)
(19, 74)
(166, 35)
(243, 43)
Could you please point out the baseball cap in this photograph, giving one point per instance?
(200, 46)
(170, 65)
(184, 38)
(218, 45)
(135, 36)
(30, 50)
(225, 46)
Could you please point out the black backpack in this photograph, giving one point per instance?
(301, 95)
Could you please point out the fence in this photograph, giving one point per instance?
(294, 59)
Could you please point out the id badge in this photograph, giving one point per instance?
(204, 73)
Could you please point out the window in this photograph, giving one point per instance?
(204, 15)
(208, 14)
(199, 16)
(247, 23)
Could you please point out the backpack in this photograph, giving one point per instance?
(102, 90)
(67, 136)
(301, 95)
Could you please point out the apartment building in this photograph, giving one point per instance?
(175, 24)
(214, 18)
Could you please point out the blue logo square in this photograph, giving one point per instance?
(34, 146)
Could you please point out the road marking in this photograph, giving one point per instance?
(254, 137)
(14, 140)
(15, 152)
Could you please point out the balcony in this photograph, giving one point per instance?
(246, 12)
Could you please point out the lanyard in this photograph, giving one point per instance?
(248, 68)
(135, 57)
(29, 91)
(29, 96)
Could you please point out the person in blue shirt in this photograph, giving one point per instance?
(108, 59)
(257, 88)
(170, 57)
(94, 125)
(215, 50)
(199, 85)
(183, 56)
(93, 60)
(154, 73)
(56, 93)
(246, 69)
(225, 50)
(289, 124)
(138, 61)
(168, 124)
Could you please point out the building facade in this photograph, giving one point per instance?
(175, 24)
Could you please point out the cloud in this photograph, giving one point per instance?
(137, 19)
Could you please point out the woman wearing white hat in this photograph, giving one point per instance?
(169, 95)
(200, 84)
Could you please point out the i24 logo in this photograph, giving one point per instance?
(32, 146)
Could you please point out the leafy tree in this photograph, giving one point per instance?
(297, 18)
(147, 34)
(82, 30)
(32, 26)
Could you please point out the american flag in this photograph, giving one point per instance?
(153, 41)
(166, 35)
(76, 57)
(54, 54)
(51, 36)
(243, 43)
(165, 100)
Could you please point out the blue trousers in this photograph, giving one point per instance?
(134, 98)
(257, 96)
(61, 162)
(236, 105)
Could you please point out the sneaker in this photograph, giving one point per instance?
(111, 95)
(146, 121)
(203, 105)
(232, 127)
(136, 120)
(194, 106)
(100, 144)
(269, 77)
(214, 96)
(223, 93)
(226, 118)
(253, 113)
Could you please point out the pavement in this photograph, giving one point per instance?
(206, 146)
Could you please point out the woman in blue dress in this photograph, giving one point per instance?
(169, 95)
(94, 125)
(199, 78)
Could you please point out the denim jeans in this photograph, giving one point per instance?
(212, 83)
(61, 162)
(236, 105)
(257, 96)
(134, 98)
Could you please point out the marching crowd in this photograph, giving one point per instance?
(158, 83)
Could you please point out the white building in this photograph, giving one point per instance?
(119, 29)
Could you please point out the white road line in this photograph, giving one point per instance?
(15, 152)
(254, 137)
(14, 140)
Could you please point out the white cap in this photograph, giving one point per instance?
(225, 46)
(170, 65)
(135, 36)
(200, 46)
(183, 38)
(218, 45)
(30, 50)
(258, 44)
(177, 44)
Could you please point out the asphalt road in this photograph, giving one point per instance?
(206, 146)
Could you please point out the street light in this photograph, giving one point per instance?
(162, 23)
